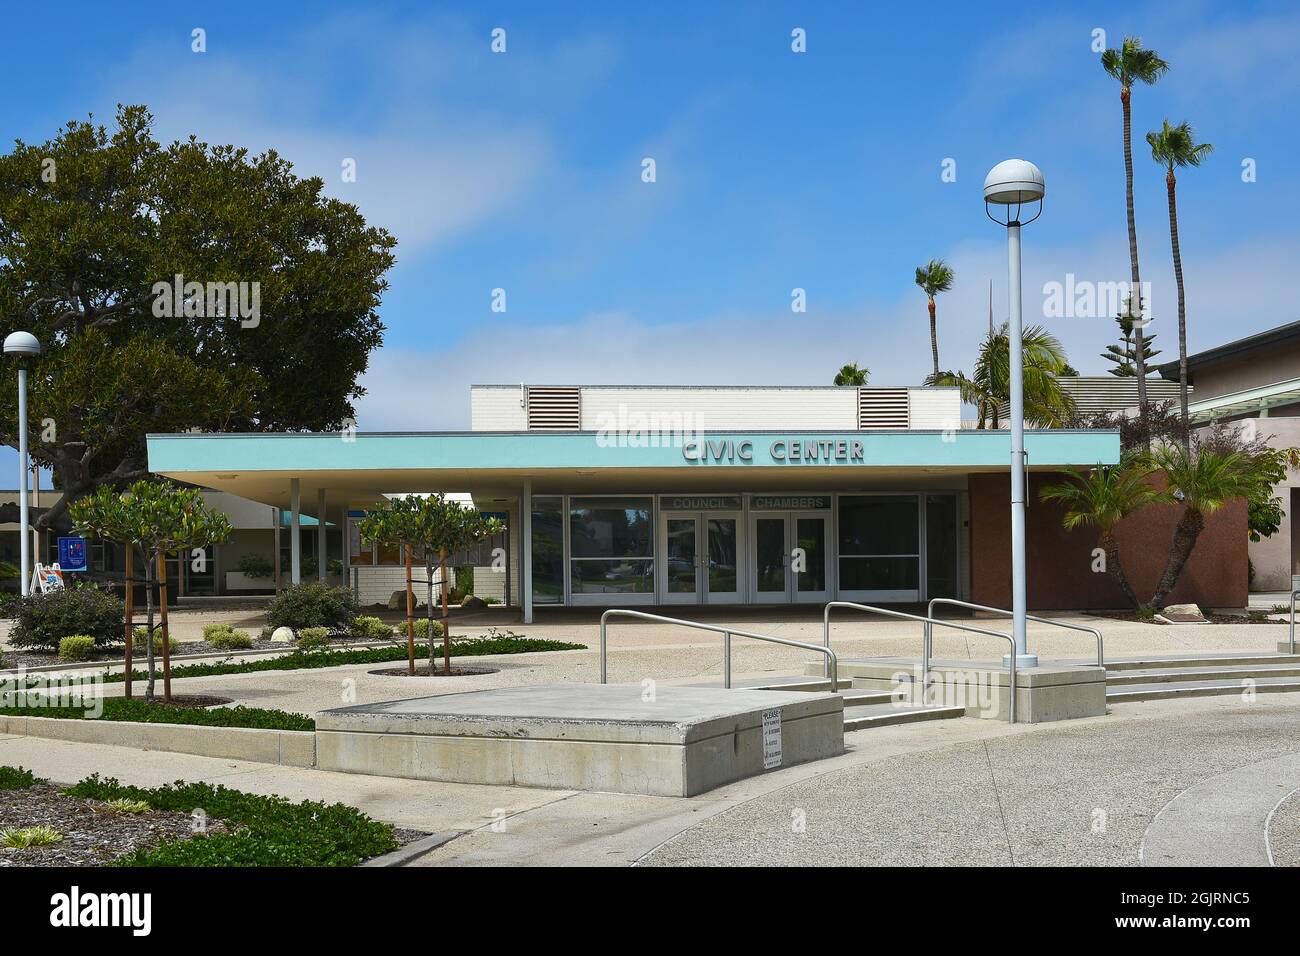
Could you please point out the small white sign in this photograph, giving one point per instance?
(771, 739)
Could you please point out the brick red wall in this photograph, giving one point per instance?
(1059, 563)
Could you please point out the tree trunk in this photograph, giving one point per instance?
(410, 616)
(1136, 299)
(1172, 183)
(1188, 529)
(166, 636)
(428, 583)
(129, 600)
(1116, 569)
(446, 618)
(934, 338)
(148, 630)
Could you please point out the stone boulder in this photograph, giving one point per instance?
(282, 635)
(472, 603)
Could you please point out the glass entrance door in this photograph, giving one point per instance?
(790, 558)
(701, 559)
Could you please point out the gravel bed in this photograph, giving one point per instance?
(93, 834)
(19, 658)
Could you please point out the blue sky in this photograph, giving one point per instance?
(775, 170)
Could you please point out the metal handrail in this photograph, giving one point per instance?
(832, 663)
(925, 644)
(1101, 660)
(1291, 637)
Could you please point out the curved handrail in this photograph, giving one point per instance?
(832, 663)
(925, 641)
(1095, 632)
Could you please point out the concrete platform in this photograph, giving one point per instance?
(684, 741)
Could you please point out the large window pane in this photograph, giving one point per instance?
(548, 551)
(941, 545)
(878, 574)
(722, 555)
(879, 524)
(613, 577)
(611, 528)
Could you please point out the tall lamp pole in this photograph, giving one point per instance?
(1010, 185)
(23, 344)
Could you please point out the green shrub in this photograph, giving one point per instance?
(313, 605)
(491, 600)
(269, 831)
(210, 629)
(314, 639)
(77, 647)
(142, 635)
(141, 711)
(230, 640)
(422, 629)
(43, 620)
(256, 566)
(16, 778)
(366, 628)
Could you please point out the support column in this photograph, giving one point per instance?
(526, 549)
(321, 525)
(295, 525)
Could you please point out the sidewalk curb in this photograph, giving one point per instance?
(414, 849)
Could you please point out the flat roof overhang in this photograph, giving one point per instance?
(358, 469)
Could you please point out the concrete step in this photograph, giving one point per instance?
(1187, 674)
(1200, 661)
(785, 683)
(883, 715)
(1201, 688)
(851, 697)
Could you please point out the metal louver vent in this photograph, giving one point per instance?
(554, 409)
(882, 408)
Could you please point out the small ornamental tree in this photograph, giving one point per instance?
(158, 518)
(439, 527)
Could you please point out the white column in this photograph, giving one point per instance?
(1017, 371)
(295, 522)
(24, 463)
(526, 549)
(321, 550)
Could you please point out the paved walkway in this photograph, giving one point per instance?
(958, 792)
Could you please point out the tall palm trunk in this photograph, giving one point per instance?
(1189, 528)
(934, 338)
(1110, 547)
(1172, 183)
(1140, 358)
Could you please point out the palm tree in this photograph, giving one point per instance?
(932, 278)
(1100, 498)
(852, 375)
(988, 387)
(1131, 64)
(1204, 480)
(1176, 146)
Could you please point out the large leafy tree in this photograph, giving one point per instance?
(1173, 146)
(988, 387)
(158, 518)
(93, 219)
(1100, 498)
(1131, 64)
(439, 527)
(932, 278)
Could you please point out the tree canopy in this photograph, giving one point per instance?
(111, 245)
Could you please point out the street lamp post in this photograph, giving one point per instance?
(23, 344)
(1011, 184)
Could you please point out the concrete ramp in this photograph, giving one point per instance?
(674, 741)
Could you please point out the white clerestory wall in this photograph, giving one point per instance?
(717, 408)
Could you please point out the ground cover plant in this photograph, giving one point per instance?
(121, 708)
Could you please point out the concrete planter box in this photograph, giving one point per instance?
(239, 581)
(581, 736)
(293, 748)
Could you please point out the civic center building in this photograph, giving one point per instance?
(624, 496)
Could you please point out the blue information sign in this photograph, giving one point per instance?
(72, 554)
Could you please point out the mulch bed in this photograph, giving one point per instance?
(422, 670)
(1211, 618)
(16, 657)
(93, 834)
